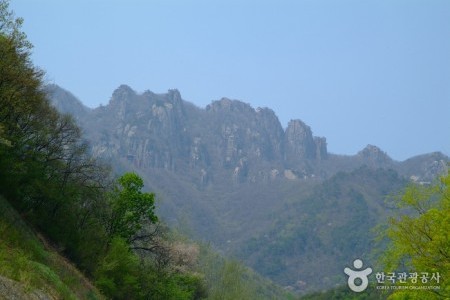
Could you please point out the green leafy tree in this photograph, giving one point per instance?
(130, 207)
(171, 286)
(46, 171)
(420, 238)
(118, 273)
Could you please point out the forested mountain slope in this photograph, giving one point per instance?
(230, 174)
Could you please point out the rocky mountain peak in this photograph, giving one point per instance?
(174, 96)
(371, 151)
(229, 105)
(374, 156)
(228, 137)
(424, 168)
(300, 143)
(298, 128)
(267, 114)
(123, 92)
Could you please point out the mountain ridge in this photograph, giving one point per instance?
(231, 175)
(66, 102)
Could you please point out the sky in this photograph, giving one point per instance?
(357, 72)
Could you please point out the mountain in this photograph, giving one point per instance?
(230, 174)
(64, 101)
(317, 233)
(229, 136)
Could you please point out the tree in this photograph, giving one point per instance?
(49, 176)
(46, 171)
(20, 83)
(420, 238)
(118, 272)
(130, 208)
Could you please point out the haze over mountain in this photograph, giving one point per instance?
(231, 174)
(357, 72)
(230, 133)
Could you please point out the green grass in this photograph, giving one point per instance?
(24, 258)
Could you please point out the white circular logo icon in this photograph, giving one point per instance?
(354, 274)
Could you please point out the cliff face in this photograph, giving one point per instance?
(300, 143)
(162, 131)
(244, 133)
(228, 140)
(146, 130)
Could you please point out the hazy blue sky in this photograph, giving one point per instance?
(358, 72)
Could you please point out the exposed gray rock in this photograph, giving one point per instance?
(13, 290)
(228, 139)
(375, 157)
(299, 142)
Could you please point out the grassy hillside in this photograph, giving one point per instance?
(33, 266)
